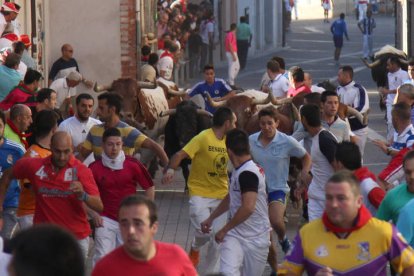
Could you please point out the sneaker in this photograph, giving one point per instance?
(285, 244)
(194, 257)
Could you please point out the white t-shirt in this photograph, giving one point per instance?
(279, 86)
(166, 64)
(394, 81)
(63, 91)
(78, 130)
(5, 43)
(3, 23)
(206, 27)
(258, 222)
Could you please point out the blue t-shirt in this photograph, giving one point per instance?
(338, 28)
(9, 79)
(275, 157)
(405, 223)
(218, 89)
(10, 152)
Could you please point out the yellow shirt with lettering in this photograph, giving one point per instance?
(208, 175)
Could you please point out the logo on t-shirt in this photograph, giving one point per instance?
(321, 251)
(9, 159)
(68, 175)
(363, 254)
(41, 173)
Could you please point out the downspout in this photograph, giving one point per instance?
(138, 11)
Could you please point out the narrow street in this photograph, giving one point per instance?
(309, 45)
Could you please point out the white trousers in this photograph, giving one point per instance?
(234, 67)
(390, 127)
(84, 245)
(200, 210)
(242, 257)
(362, 135)
(362, 10)
(367, 43)
(107, 238)
(25, 221)
(315, 208)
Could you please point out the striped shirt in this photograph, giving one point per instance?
(132, 138)
(403, 140)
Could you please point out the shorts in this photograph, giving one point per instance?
(277, 196)
(338, 41)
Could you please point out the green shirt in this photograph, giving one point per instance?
(393, 202)
(11, 135)
(243, 31)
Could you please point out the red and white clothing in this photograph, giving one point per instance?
(166, 64)
(231, 49)
(372, 194)
(55, 202)
(293, 91)
(115, 185)
(169, 259)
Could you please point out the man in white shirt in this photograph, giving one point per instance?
(278, 84)
(396, 77)
(166, 62)
(78, 126)
(355, 96)
(66, 90)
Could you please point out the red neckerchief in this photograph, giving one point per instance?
(363, 217)
(21, 135)
(25, 89)
(363, 173)
(166, 54)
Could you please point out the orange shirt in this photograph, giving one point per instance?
(27, 199)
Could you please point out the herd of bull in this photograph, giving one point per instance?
(160, 109)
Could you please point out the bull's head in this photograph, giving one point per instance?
(276, 101)
(142, 84)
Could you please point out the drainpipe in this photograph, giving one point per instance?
(138, 23)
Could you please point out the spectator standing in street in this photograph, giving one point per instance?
(339, 30)
(149, 71)
(326, 5)
(231, 54)
(245, 237)
(207, 36)
(367, 26)
(8, 13)
(65, 88)
(141, 254)
(244, 40)
(195, 43)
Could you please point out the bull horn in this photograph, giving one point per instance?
(101, 88)
(403, 61)
(215, 104)
(168, 112)
(204, 112)
(178, 93)
(146, 84)
(263, 101)
(370, 65)
(275, 101)
(353, 112)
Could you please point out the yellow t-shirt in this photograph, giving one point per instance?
(208, 175)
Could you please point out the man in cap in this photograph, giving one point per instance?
(66, 91)
(8, 13)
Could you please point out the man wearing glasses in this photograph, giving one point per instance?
(64, 65)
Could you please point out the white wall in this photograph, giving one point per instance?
(93, 29)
